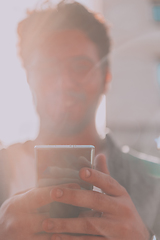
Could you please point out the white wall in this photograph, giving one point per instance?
(134, 101)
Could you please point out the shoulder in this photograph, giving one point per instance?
(11, 156)
(133, 163)
(142, 181)
(144, 185)
(116, 161)
(144, 169)
(9, 159)
(14, 151)
(140, 175)
(6, 154)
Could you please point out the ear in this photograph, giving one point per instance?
(108, 79)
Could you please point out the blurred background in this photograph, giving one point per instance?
(131, 109)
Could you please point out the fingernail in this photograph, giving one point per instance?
(88, 173)
(49, 225)
(59, 193)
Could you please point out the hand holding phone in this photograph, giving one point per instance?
(60, 164)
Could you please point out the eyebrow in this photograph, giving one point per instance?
(82, 57)
(76, 57)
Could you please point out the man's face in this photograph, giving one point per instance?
(64, 76)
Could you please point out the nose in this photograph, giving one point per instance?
(65, 80)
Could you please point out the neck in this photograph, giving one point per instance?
(88, 136)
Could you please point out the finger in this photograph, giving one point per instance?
(44, 209)
(90, 213)
(43, 236)
(43, 182)
(93, 226)
(86, 199)
(79, 237)
(103, 181)
(27, 223)
(36, 198)
(22, 191)
(100, 163)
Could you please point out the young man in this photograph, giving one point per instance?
(64, 52)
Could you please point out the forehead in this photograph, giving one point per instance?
(68, 43)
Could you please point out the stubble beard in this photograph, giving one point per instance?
(66, 127)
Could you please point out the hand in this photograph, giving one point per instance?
(56, 175)
(118, 218)
(20, 217)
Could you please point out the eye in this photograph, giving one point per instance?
(47, 67)
(81, 66)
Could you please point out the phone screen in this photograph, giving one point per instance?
(60, 164)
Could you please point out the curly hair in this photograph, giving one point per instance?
(32, 31)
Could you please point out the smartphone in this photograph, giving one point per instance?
(60, 164)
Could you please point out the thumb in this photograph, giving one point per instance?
(100, 163)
